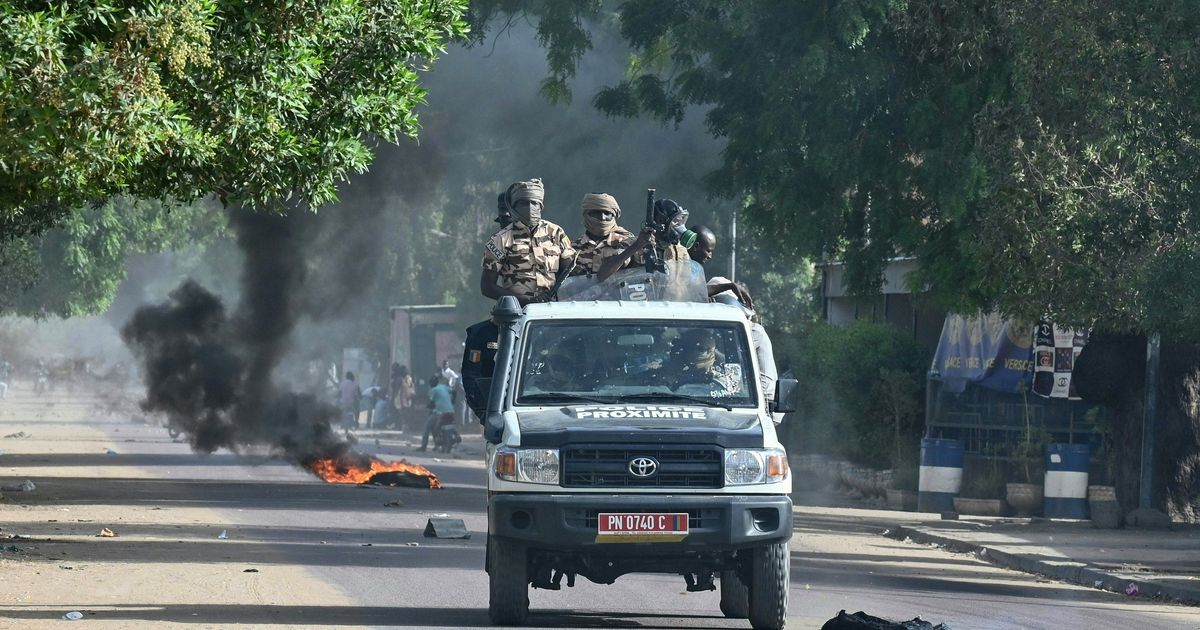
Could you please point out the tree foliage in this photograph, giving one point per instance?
(252, 101)
(862, 393)
(1037, 156)
(74, 269)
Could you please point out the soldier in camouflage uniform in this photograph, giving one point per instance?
(523, 259)
(602, 237)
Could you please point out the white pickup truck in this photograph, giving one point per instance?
(633, 437)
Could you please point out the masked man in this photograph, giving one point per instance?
(523, 259)
(665, 211)
(602, 237)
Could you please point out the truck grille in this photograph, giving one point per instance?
(697, 519)
(608, 467)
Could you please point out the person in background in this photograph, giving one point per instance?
(381, 414)
(449, 376)
(402, 390)
(705, 246)
(349, 399)
(768, 373)
(442, 406)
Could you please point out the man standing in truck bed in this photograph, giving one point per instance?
(523, 259)
(602, 237)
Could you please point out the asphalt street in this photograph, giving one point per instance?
(375, 554)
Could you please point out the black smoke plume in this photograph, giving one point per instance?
(210, 372)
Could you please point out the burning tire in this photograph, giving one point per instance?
(508, 583)
(735, 597)
(769, 587)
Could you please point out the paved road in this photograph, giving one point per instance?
(347, 537)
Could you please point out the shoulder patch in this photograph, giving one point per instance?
(493, 248)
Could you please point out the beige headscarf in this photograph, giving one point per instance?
(600, 201)
(531, 189)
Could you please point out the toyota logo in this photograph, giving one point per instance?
(643, 466)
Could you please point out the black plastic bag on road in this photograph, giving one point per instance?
(862, 621)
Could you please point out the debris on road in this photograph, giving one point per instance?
(412, 544)
(366, 545)
(224, 535)
(396, 503)
(250, 571)
(24, 486)
(446, 528)
(74, 615)
(110, 452)
(1131, 590)
(106, 533)
(18, 435)
(862, 621)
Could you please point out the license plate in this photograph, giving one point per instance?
(641, 527)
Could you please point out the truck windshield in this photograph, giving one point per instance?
(677, 362)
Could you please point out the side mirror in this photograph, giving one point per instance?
(785, 392)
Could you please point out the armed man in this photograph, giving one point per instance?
(664, 231)
(524, 259)
(602, 237)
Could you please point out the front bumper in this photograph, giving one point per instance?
(717, 522)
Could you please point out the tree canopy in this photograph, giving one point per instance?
(1037, 156)
(254, 102)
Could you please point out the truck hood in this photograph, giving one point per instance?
(545, 426)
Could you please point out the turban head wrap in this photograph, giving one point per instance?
(600, 201)
(529, 216)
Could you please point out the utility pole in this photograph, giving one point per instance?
(733, 249)
(1146, 515)
(1146, 489)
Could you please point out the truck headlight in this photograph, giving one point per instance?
(529, 465)
(745, 466)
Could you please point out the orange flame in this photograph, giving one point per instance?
(333, 472)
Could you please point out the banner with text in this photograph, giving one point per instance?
(985, 350)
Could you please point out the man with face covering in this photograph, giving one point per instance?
(523, 258)
(602, 237)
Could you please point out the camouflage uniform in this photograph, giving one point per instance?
(592, 253)
(526, 263)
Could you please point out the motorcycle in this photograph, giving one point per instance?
(446, 436)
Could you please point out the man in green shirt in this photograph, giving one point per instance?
(442, 403)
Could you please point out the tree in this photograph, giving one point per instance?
(74, 269)
(1038, 157)
(253, 102)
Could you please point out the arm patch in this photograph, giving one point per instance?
(494, 249)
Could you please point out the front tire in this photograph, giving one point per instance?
(508, 583)
(735, 597)
(770, 578)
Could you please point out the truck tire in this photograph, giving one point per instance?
(735, 597)
(508, 583)
(769, 587)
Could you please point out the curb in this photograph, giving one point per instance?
(1065, 571)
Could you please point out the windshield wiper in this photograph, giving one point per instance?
(552, 397)
(673, 396)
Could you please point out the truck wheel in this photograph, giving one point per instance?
(508, 583)
(735, 597)
(769, 587)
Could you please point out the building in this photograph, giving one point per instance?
(896, 304)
